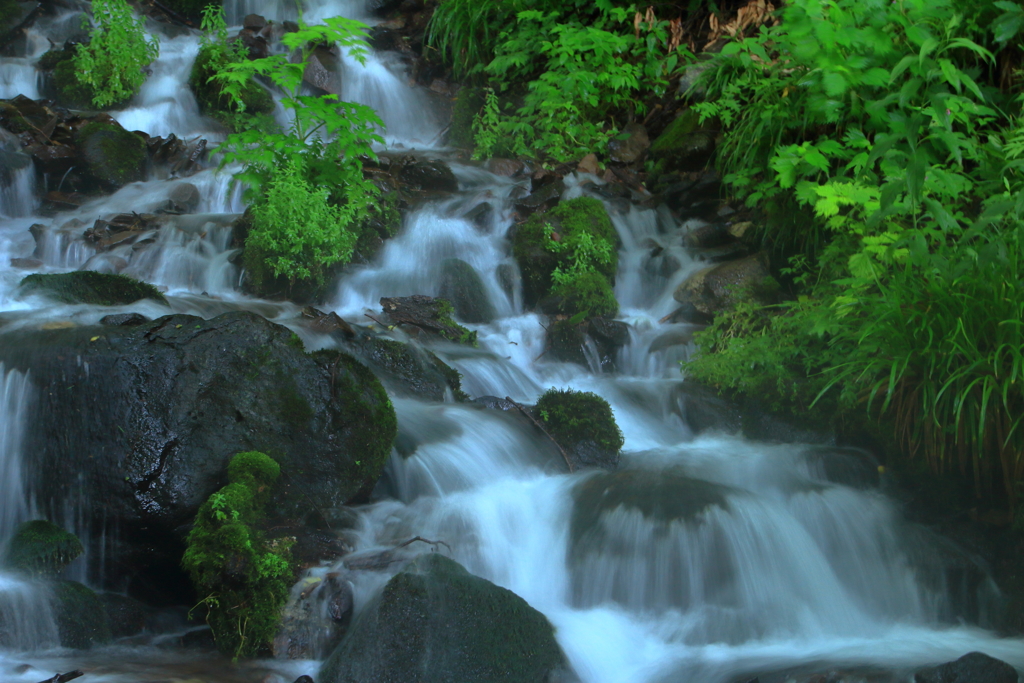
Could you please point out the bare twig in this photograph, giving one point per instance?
(63, 678)
(422, 540)
(539, 426)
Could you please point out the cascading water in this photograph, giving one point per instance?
(702, 558)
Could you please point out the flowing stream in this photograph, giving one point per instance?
(784, 567)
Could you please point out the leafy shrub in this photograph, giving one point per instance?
(570, 253)
(296, 232)
(112, 62)
(244, 580)
(322, 148)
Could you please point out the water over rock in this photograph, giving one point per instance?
(436, 622)
(145, 418)
(408, 369)
(462, 286)
(974, 667)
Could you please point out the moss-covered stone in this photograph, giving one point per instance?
(583, 425)
(259, 104)
(468, 104)
(381, 222)
(462, 286)
(244, 578)
(366, 410)
(90, 287)
(62, 83)
(554, 241)
(9, 14)
(435, 622)
(113, 155)
(41, 548)
(80, 615)
(683, 145)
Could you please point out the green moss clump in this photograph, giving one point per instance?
(40, 548)
(80, 615)
(572, 417)
(259, 104)
(90, 287)
(567, 257)
(451, 330)
(244, 578)
(112, 154)
(468, 104)
(675, 136)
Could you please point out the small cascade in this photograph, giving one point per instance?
(19, 76)
(15, 506)
(18, 197)
(26, 616)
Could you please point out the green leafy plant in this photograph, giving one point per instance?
(243, 577)
(216, 52)
(112, 62)
(321, 148)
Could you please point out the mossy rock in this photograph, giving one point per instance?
(538, 258)
(583, 424)
(435, 622)
(10, 12)
(90, 287)
(683, 145)
(411, 370)
(381, 222)
(40, 548)
(63, 84)
(463, 287)
(214, 103)
(125, 616)
(468, 103)
(113, 155)
(80, 615)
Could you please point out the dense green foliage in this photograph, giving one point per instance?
(884, 121)
(300, 232)
(112, 62)
(243, 578)
(560, 73)
(573, 416)
(569, 255)
(42, 548)
(215, 53)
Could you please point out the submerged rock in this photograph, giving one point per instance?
(436, 622)
(409, 369)
(462, 286)
(89, 287)
(145, 418)
(80, 614)
(974, 667)
(41, 548)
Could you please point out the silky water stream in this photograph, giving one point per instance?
(779, 566)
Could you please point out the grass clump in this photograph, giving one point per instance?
(572, 417)
(568, 257)
(89, 287)
(243, 578)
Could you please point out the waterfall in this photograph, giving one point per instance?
(15, 506)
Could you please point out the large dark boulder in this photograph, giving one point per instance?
(137, 423)
(974, 667)
(80, 615)
(435, 622)
(113, 156)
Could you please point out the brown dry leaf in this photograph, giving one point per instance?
(755, 13)
(636, 25)
(676, 34)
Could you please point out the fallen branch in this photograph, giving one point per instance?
(386, 558)
(539, 426)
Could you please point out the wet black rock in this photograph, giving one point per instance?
(89, 287)
(80, 615)
(463, 287)
(974, 667)
(409, 369)
(144, 419)
(431, 175)
(113, 156)
(123, 319)
(435, 622)
(125, 616)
